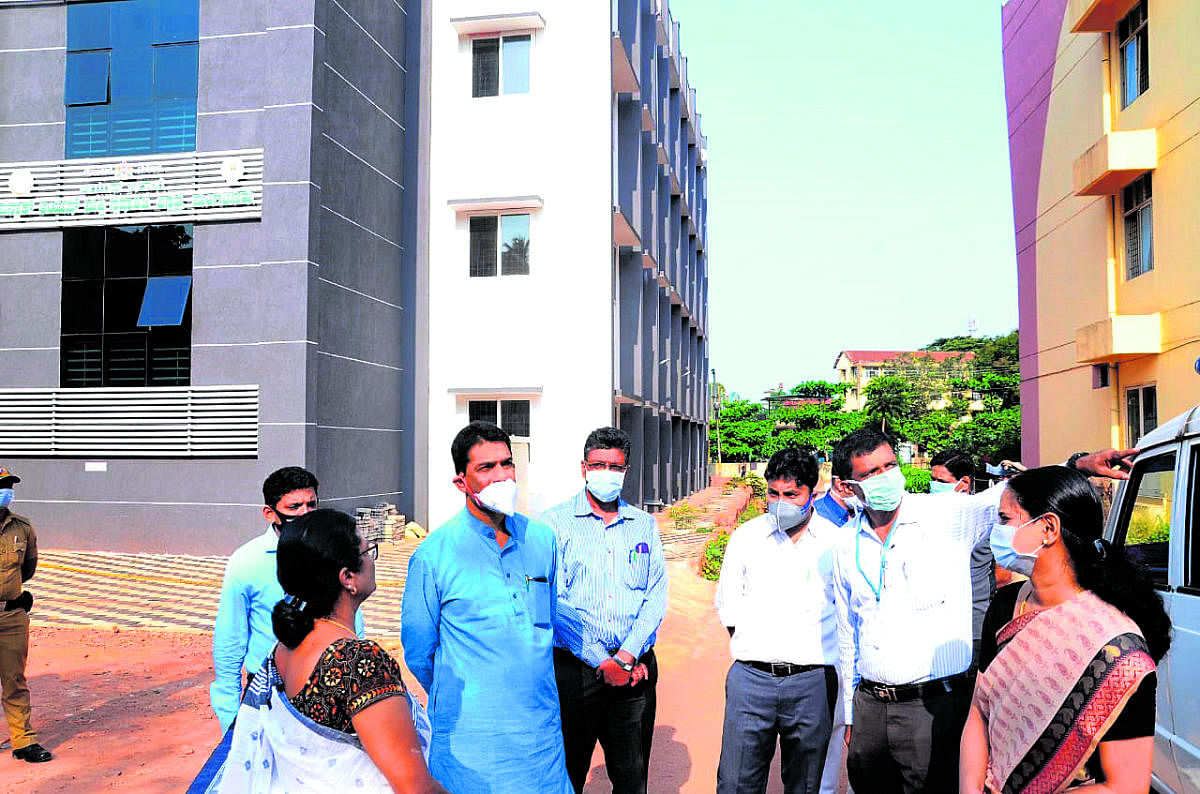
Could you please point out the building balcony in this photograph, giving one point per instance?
(624, 235)
(624, 78)
(1097, 16)
(1119, 337)
(1114, 161)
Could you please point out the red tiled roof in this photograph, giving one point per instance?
(880, 356)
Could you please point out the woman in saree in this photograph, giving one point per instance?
(1066, 685)
(327, 711)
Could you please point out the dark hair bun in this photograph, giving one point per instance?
(291, 624)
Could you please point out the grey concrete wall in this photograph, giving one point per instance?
(294, 302)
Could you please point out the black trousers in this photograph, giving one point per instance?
(620, 718)
(910, 746)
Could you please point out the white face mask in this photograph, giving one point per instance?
(499, 497)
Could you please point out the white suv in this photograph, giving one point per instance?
(1156, 518)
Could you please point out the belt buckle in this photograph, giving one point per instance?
(886, 693)
(776, 667)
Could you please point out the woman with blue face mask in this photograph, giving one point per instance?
(1070, 653)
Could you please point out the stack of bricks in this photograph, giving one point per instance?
(382, 523)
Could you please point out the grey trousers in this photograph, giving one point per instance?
(760, 709)
(907, 747)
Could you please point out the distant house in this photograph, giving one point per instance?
(860, 367)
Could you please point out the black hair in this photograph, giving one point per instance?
(797, 465)
(863, 441)
(477, 432)
(283, 481)
(1107, 572)
(309, 560)
(608, 438)
(957, 463)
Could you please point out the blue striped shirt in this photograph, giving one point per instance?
(612, 581)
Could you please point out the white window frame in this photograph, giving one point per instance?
(1140, 389)
(500, 36)
(500, 216)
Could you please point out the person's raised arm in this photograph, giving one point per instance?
(973, 753)
(387, 734)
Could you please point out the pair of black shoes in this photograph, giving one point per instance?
(34, 754)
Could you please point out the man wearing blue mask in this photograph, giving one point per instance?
(775, 597)
(903, 594)
(612, 596)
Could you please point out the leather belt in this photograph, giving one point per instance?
(905, 692)
(782, 669)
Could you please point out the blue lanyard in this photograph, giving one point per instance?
(878, 591)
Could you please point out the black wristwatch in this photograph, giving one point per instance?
(624, 665)
(1071, 461)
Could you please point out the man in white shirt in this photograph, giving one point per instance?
(902, 585)
(776, 598)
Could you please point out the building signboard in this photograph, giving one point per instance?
(157, 188)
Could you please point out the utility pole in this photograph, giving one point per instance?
(717, 411)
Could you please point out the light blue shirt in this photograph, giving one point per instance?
(477, 625)
(243, 635)
(612, 581)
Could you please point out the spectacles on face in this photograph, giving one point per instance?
(371, 551)
(619, 468)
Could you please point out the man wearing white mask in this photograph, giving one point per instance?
(902, 585)
(612, 596)
(477, 629)
(775, 597)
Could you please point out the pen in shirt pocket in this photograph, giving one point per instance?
(541, 579)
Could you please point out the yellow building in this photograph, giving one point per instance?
(1104, 138)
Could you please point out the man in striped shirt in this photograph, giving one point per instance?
(612, 596)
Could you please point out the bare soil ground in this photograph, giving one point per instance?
(128, 710)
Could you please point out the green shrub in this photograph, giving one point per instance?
(754, 508)
(714, 555)
(683, 515)
(758, 486)
(915, 480)
(1146, 527)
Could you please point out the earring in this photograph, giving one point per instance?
(353, 591)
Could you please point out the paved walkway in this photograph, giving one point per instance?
(171, 591)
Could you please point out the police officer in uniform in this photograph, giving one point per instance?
(18, 561)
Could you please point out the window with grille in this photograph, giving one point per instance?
(131, 77)
(1141, 412)
(499, 239)
(1136, 200)
(500, 66)
(126, 306)
(512, 415)
(1133, 34)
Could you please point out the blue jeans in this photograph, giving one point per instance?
(760, 709)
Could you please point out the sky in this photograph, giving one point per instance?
(858, 179)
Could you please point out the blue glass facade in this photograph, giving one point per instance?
(131, 77)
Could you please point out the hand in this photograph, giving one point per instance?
(1112, 463)
(612, 673)
(639, 674)
(848, 727)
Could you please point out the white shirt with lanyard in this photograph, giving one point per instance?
(904, 605)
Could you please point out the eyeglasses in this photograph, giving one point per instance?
(372, 551)
(619, 468)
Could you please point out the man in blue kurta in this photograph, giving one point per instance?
(478, 629)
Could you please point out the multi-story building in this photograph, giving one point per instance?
(210, 261)
(859, 367)
(567, 209)
(1103, 137)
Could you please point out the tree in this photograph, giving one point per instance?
(892, 401)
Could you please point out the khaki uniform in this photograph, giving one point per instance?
(18, 543)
